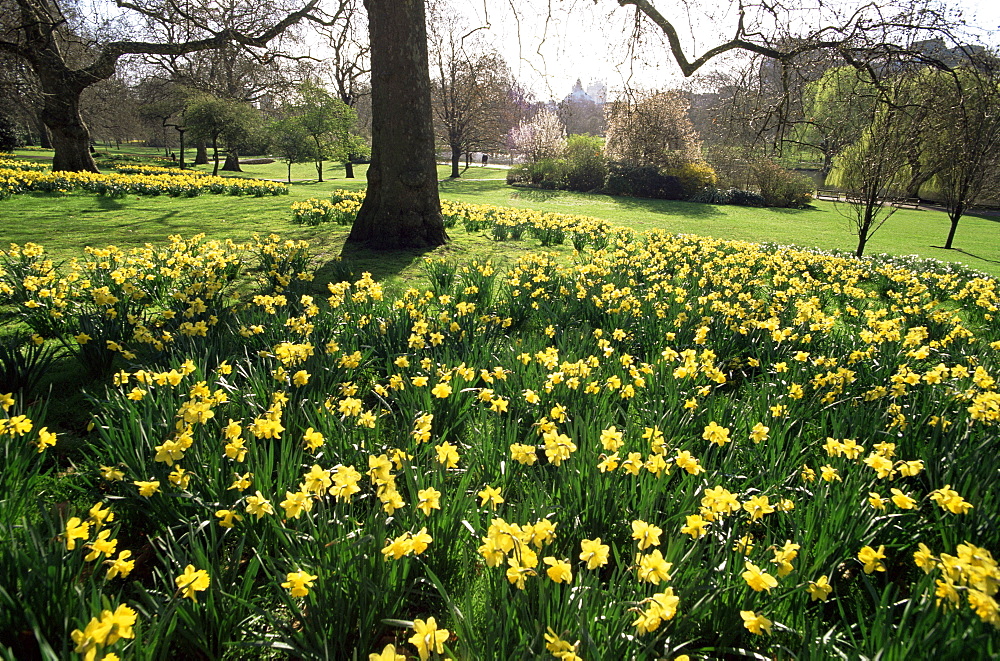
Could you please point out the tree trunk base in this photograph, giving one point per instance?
(232, 163)
(418, 227)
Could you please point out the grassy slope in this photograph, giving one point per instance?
(97, 221)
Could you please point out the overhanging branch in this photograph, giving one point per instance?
(104, 66)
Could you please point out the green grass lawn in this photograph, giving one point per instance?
(66, 224)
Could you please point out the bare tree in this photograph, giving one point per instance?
(965, 134)
(111, 109)
(470, 90)
(41, 33)
(651, 129)
(581, 116)
(774, 30)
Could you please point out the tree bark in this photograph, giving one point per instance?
(954, 217)
(201, 153)
(402, 209)
(348, 170)
(232, 163)
(456, 157)
(69, 135)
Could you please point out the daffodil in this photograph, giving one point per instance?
(754, 623)
(299, 582)
(872, 559)
(819, 589)
(594, 553)
(191, 582)
(427, 638)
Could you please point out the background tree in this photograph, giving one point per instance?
(542, 136)
(110, 108)
(291, 142)
(349, 64)
(964, 132)
(8, 133)
(873, 169)
(166, 109)
(213, 119)
(346, 74)
(66, 61)
(21, 99)
(328, 122)
(581, 114)
(835, 109)
(470, 90)
(651, 129)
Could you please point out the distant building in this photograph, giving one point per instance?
(596, 92)
(582, 111)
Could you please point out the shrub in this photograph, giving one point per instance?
(586, 169)
(694, 177)
(779, 187)
(547, 173)
(745, 198)
(642, 181)
(711, 195)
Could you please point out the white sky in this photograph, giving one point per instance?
(587, 42)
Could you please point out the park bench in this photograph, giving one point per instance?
(906, 202)
(830, 194)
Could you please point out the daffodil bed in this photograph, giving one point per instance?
(674, 446)
(17, 177)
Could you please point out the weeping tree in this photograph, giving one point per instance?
(873, 169)
(66, 58)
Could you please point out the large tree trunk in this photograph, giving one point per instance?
(70, 137)
(232, 163)
(348, 170)
(201, 153)
(402, 208)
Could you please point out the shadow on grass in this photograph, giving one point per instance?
(668, 207)
(969, 254)
(792, 212)
(106, 203)
(990, 216)
(384, 266)
(467, 186)
(162, 220)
